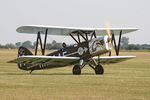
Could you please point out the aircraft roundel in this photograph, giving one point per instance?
(80, 50)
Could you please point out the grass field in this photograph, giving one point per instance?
(129, 80)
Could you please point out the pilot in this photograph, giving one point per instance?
(64, 45)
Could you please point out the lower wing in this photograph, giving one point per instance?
(113, 59)
(54, 61)
(59, 61)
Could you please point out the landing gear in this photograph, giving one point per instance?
(99, 69)
(76, 70)
(31, 71)
(96, 66)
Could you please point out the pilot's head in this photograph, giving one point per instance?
(64, 45)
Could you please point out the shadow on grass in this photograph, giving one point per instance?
(45, 74)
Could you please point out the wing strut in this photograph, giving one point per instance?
(117, 47)
(45, 41)
(93, 34)
(119, 42)
(73, 38)
(83, 34)
(40, 40)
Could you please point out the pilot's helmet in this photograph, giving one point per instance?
(64, 45)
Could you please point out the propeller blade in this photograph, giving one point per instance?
(108, 32)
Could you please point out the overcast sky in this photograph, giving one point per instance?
(74, 13)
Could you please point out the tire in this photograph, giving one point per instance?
(76, 70)
(99, 69)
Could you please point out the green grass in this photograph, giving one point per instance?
(129, 80)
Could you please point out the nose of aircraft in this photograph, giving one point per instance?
(108, 44)
(100, 45)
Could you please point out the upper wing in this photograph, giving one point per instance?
(48, 60)
(113, 59)
(57, 30)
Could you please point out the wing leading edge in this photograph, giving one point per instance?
(58, 30)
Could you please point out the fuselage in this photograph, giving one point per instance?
(85, 50)
(94, 47)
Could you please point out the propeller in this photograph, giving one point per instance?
(109, 37)
(108, 32)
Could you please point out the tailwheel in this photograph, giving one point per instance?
(76, 70)
(99, 69)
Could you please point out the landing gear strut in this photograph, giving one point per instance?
(98, 68)
(76, 70)
(31, 71)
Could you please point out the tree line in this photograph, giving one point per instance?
(29, 44)
(124, 45)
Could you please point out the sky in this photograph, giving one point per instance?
(74, 13)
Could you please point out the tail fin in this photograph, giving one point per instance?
(22, 51)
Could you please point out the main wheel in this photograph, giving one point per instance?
(76, 70)
(99, 69)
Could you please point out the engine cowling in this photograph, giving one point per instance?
(99, 46)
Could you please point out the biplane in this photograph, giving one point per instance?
(90, 44)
